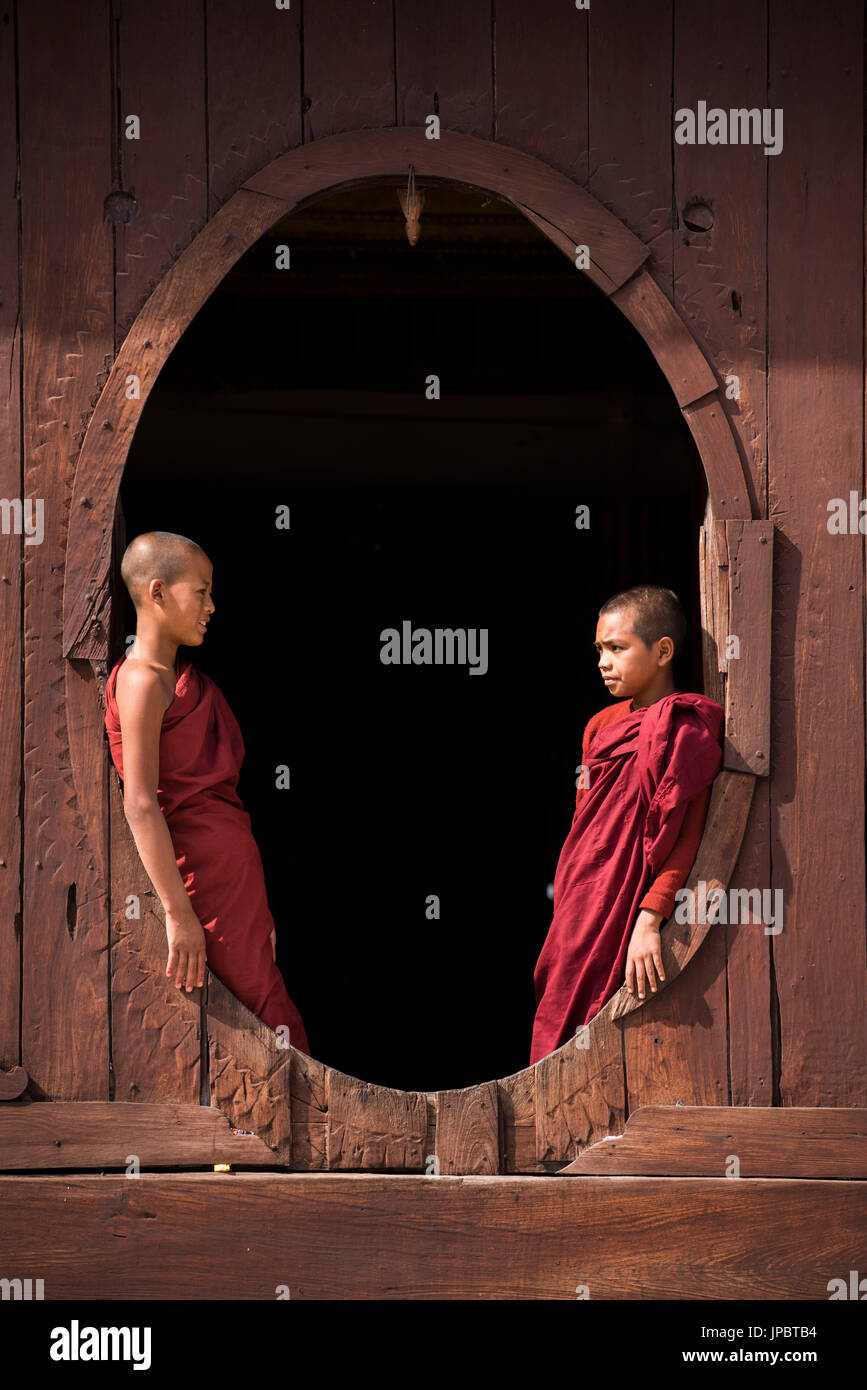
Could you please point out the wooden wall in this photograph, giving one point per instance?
(773, 293)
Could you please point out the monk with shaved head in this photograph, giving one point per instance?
(647, 765)
(178, 750)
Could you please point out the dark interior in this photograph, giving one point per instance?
(305, 388)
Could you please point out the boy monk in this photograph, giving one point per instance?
(650, 761)
(178, 750)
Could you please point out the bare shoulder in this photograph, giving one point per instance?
(143, 689)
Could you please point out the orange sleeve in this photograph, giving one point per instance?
(660, 896)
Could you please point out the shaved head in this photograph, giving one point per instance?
(655, 612)
(156, 555)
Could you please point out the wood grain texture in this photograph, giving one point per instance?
(11, 561)
(517, 1105)
(713, 437)
(750, 549)
(467, 1130)
(369, 1236)
(309, 1113)
(373, 1126)
(67, 331)
(249, 1072)
(540, 59)
(815, 403)
(686, 370)
(444, 65)
(713, 570)
(111, 1134)
(161, 69)
(702, 1140)
(630, 121)
(580, 1091)
(348, 67)
(254, 91)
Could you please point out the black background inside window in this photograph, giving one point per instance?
(305, 388)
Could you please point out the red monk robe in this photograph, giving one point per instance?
(201, 751)
(650, 771)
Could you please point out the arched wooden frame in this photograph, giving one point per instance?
(311, 1116)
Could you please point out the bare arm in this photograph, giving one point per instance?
(141, 703)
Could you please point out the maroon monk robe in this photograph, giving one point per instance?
(642, 769)
(201, 751)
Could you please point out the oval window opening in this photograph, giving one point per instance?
(408, 859)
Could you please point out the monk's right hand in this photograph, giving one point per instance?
(186, 939)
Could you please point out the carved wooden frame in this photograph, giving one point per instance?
(310, 1115)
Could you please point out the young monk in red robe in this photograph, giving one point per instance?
(178, 750)
(650, 761)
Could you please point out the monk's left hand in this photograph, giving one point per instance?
(644, 956)
(274, 941)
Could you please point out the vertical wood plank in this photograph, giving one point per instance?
(467, 1130)
(750, 546)
(444, 66)
(67, 334)
(815, 396)
(11, 558)
(348, 67)
(373, 1126)
(517, 1103)
(630, 124)
(714, 604)
(254, 91)
(540, 63)
(161, 75)
(720, 278)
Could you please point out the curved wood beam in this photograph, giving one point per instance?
(561, 209)
(309, 1115)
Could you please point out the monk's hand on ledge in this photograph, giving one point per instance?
(644, 956)
(186, 939)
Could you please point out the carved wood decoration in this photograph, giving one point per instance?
(168, 1046)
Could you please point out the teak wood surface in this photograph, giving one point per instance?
(242, 1236)
(754, 1021)
(574, 1096)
